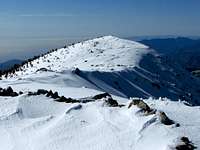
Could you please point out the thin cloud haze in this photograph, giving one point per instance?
(23, 23)
(48, 15)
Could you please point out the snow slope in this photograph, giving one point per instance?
(108, 64)
(102, 54)
(39, 123)
(121, 67)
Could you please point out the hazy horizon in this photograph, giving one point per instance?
(30, 27)
(35, 46)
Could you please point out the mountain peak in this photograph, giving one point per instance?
(106, 54)
(116, 41)
(128, 67)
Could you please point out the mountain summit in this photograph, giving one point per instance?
(102, 54)
(121, 67)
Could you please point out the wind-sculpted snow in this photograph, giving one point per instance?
(40, 123)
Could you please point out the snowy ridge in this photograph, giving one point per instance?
(103, 54)
(120, 67)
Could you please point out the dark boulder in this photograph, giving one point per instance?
(143, 106)
(164, 119)
(66, 100)
(76, 71)
(31, 93)
(55, 95)
(111, 102)
(100, 96)
(13, 94)
(42, 92)
(140, 104)
(185, 144)
(8, 92)
(50, 93)
(20, 93)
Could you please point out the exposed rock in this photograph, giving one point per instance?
(76, 71)
(185, 144)
(67, 100)
(143, 106)
(100, 96)
(8, 92)
(164, 119)
(20, 93)
(111, 102)
(55, 95)
(13, 94)
(107, 98)
(177, 125)
(39, 92)
(42, 92)
(50, 93)
(139, 103)
(45, 92)
(31, 93)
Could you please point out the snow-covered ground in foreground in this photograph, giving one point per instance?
(40, 123)
(108, 64)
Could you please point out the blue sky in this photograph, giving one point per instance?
(30, 25)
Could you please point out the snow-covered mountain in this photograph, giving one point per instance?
(185, 51)
(70, 114)
(121, 67)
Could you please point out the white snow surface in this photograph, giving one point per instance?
(103, 54)
(40, 123)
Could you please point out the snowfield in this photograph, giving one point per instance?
(122, 68)
(40, 123)
(103, 54)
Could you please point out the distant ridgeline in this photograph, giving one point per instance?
(9, 64)
(10, 67)
(185, 51)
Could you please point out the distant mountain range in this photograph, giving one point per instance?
(183, 50)
(8, 64)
